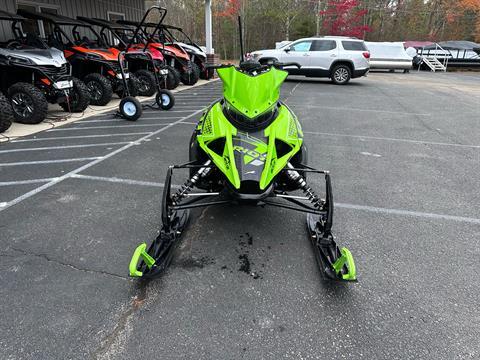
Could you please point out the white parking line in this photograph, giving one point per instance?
(65, 147)
(408, 213)
(338, 205)
(357, 109)
(105, 127)
(49, 161)
(39, 189)
(393, 139)
(121, 120)
(117, 180)
(25, 182)
(80, 137)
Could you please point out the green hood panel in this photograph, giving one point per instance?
(251, 95)
(226, 146)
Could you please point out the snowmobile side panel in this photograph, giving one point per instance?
(285, 139)
(215, 139)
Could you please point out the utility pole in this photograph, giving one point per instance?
(208, 26)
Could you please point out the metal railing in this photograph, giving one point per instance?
(431, 58)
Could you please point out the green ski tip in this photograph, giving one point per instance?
(346, 258)
(140, 252)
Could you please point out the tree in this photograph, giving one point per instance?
(344, 17)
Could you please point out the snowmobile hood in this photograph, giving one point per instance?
(44, 57)
(193, 49)
(251, 95)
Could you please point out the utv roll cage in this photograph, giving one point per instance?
(114, 28)
(55, 39)
(167, 29)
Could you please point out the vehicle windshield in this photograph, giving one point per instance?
(251, 95)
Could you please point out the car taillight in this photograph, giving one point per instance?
(366, 55)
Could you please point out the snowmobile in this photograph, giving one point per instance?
(247, 148)
(32, 75)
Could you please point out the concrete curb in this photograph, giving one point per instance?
(57, 117)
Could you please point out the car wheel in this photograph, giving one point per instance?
(29, 104)
(341, 74)
(100, 89)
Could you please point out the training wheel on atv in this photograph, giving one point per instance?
(130, 108)
(165, 99)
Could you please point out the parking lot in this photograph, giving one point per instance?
(403, 150)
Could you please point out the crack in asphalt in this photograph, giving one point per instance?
(58, 262)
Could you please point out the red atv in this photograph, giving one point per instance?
(91, 59)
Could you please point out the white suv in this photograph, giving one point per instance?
(336, 57)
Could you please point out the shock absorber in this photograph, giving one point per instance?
(188, 185)
(302, 184)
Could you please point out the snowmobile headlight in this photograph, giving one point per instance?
(20, 60)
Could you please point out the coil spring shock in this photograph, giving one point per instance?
(188, 185)
(307, 190)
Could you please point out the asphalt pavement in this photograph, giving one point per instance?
(403, 151)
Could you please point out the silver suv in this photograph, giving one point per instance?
(336, 57)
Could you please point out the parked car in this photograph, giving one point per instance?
(335, 57)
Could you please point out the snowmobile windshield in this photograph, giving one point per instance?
(251, 95)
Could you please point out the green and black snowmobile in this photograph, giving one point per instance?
(247, 149)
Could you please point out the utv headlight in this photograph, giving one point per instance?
(20, 60)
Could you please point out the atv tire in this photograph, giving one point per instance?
(190, 78)
(203, 74)
(79, 98)
(147, 82)
(133, 87)
(172, 80)
(341, 74)
(29, 104)
(6, 114)
(99, 88)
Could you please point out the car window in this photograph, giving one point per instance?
(301, 46)
(354, 45)
(323, 45)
